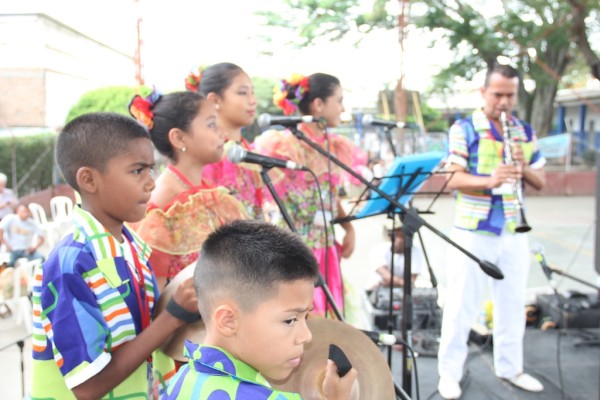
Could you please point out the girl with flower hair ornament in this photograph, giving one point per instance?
(320, 96)
(231, 90)
(183, 208)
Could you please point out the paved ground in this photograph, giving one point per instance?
(564, 226)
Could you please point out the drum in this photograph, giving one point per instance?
(374, 379)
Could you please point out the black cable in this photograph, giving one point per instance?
(559, 306)
(412, 354)
(585, 235)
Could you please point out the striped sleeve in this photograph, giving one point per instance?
(458, 152)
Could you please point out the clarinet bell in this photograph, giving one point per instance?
(522, 225)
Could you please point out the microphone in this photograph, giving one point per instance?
(538, 251)
(237, 154)
(266, 120)
(368, 119)
(383, 338)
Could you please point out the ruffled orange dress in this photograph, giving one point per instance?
(176, 232)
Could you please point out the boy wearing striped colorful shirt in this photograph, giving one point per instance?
(93, 298)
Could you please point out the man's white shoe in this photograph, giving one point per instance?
(527, 382)
(449, 389)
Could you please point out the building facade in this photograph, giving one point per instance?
(45, 67)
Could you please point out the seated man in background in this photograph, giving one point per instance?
(380, 276)
(18, 232)
(380, 260)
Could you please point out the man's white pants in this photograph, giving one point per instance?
(464, 300)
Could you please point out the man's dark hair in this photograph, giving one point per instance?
(503, 69)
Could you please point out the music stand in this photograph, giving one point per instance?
(405, 177)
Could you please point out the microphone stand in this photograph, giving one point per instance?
(412, 223)
(286, 216)
(388, 136)
(21, 344)
(320, 280)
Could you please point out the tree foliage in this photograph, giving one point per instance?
(31, 156)
(263, 89)
(540, 37)
(109, 99)
(326, 19)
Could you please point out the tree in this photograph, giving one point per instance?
(263, 89)
(110, 99)
(541, 37)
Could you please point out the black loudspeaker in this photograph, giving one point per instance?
(573, 310)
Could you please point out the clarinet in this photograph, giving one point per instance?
(522, 225)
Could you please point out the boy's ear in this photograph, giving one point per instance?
(225, 319)
(86, 179)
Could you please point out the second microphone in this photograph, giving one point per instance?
(237, 154)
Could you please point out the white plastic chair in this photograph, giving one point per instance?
(61, 207)
(49, 228)
(38, 213)
(22, 285)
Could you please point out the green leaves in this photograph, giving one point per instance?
(110, 99)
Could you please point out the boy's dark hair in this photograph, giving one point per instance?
(503, 69)
(92, 140)
(218, 77)
(320, 86)
(248, 260)
(173, 110)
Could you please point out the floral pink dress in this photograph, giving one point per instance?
(242, 180)
(299, 193)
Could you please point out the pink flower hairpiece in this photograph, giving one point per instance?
(290, 92)
(141, 108)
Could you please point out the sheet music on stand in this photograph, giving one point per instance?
(405, 177)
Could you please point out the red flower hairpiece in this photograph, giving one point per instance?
(141, 108)
(192, 81)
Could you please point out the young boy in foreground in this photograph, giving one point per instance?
(93, 298)
(255, 285)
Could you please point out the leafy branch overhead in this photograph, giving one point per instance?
(546, 40)
(329, 19)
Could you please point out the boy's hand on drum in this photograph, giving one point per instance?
(185, 296)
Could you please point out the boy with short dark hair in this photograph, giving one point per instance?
(255, 285)
(93, 298)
